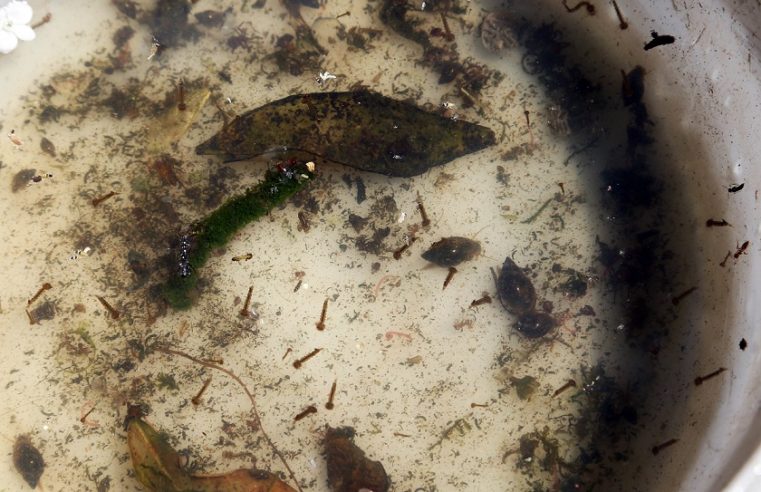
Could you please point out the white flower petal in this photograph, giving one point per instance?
(18, 12)
(22, 31)
(8, 41)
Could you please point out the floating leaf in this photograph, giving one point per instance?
(169, 127)
(157, 467)
(360, 129)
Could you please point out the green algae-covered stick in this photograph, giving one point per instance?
(219, 227)
(361, 129)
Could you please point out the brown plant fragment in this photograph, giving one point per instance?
(157, 467)
(349, 470)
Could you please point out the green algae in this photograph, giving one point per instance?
(218, 228)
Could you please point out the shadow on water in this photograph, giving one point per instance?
(644, 252)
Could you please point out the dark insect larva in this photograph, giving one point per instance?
(360, 129)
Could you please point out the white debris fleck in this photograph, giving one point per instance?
(310, 166)
(401, 218)
(324, 77)
(448, 105)
(155, 45)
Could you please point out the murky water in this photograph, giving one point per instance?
(448, 396)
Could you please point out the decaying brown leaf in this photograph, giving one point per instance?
(157, 467)
(168, 128)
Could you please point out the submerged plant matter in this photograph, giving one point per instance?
(349, 470)
(361, 129)
(157, 467)
(218, 228)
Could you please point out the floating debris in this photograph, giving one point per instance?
(157, 467)
(525, 386)
(361, 129)
(167, 128)
(349, 470)
(497, 32)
